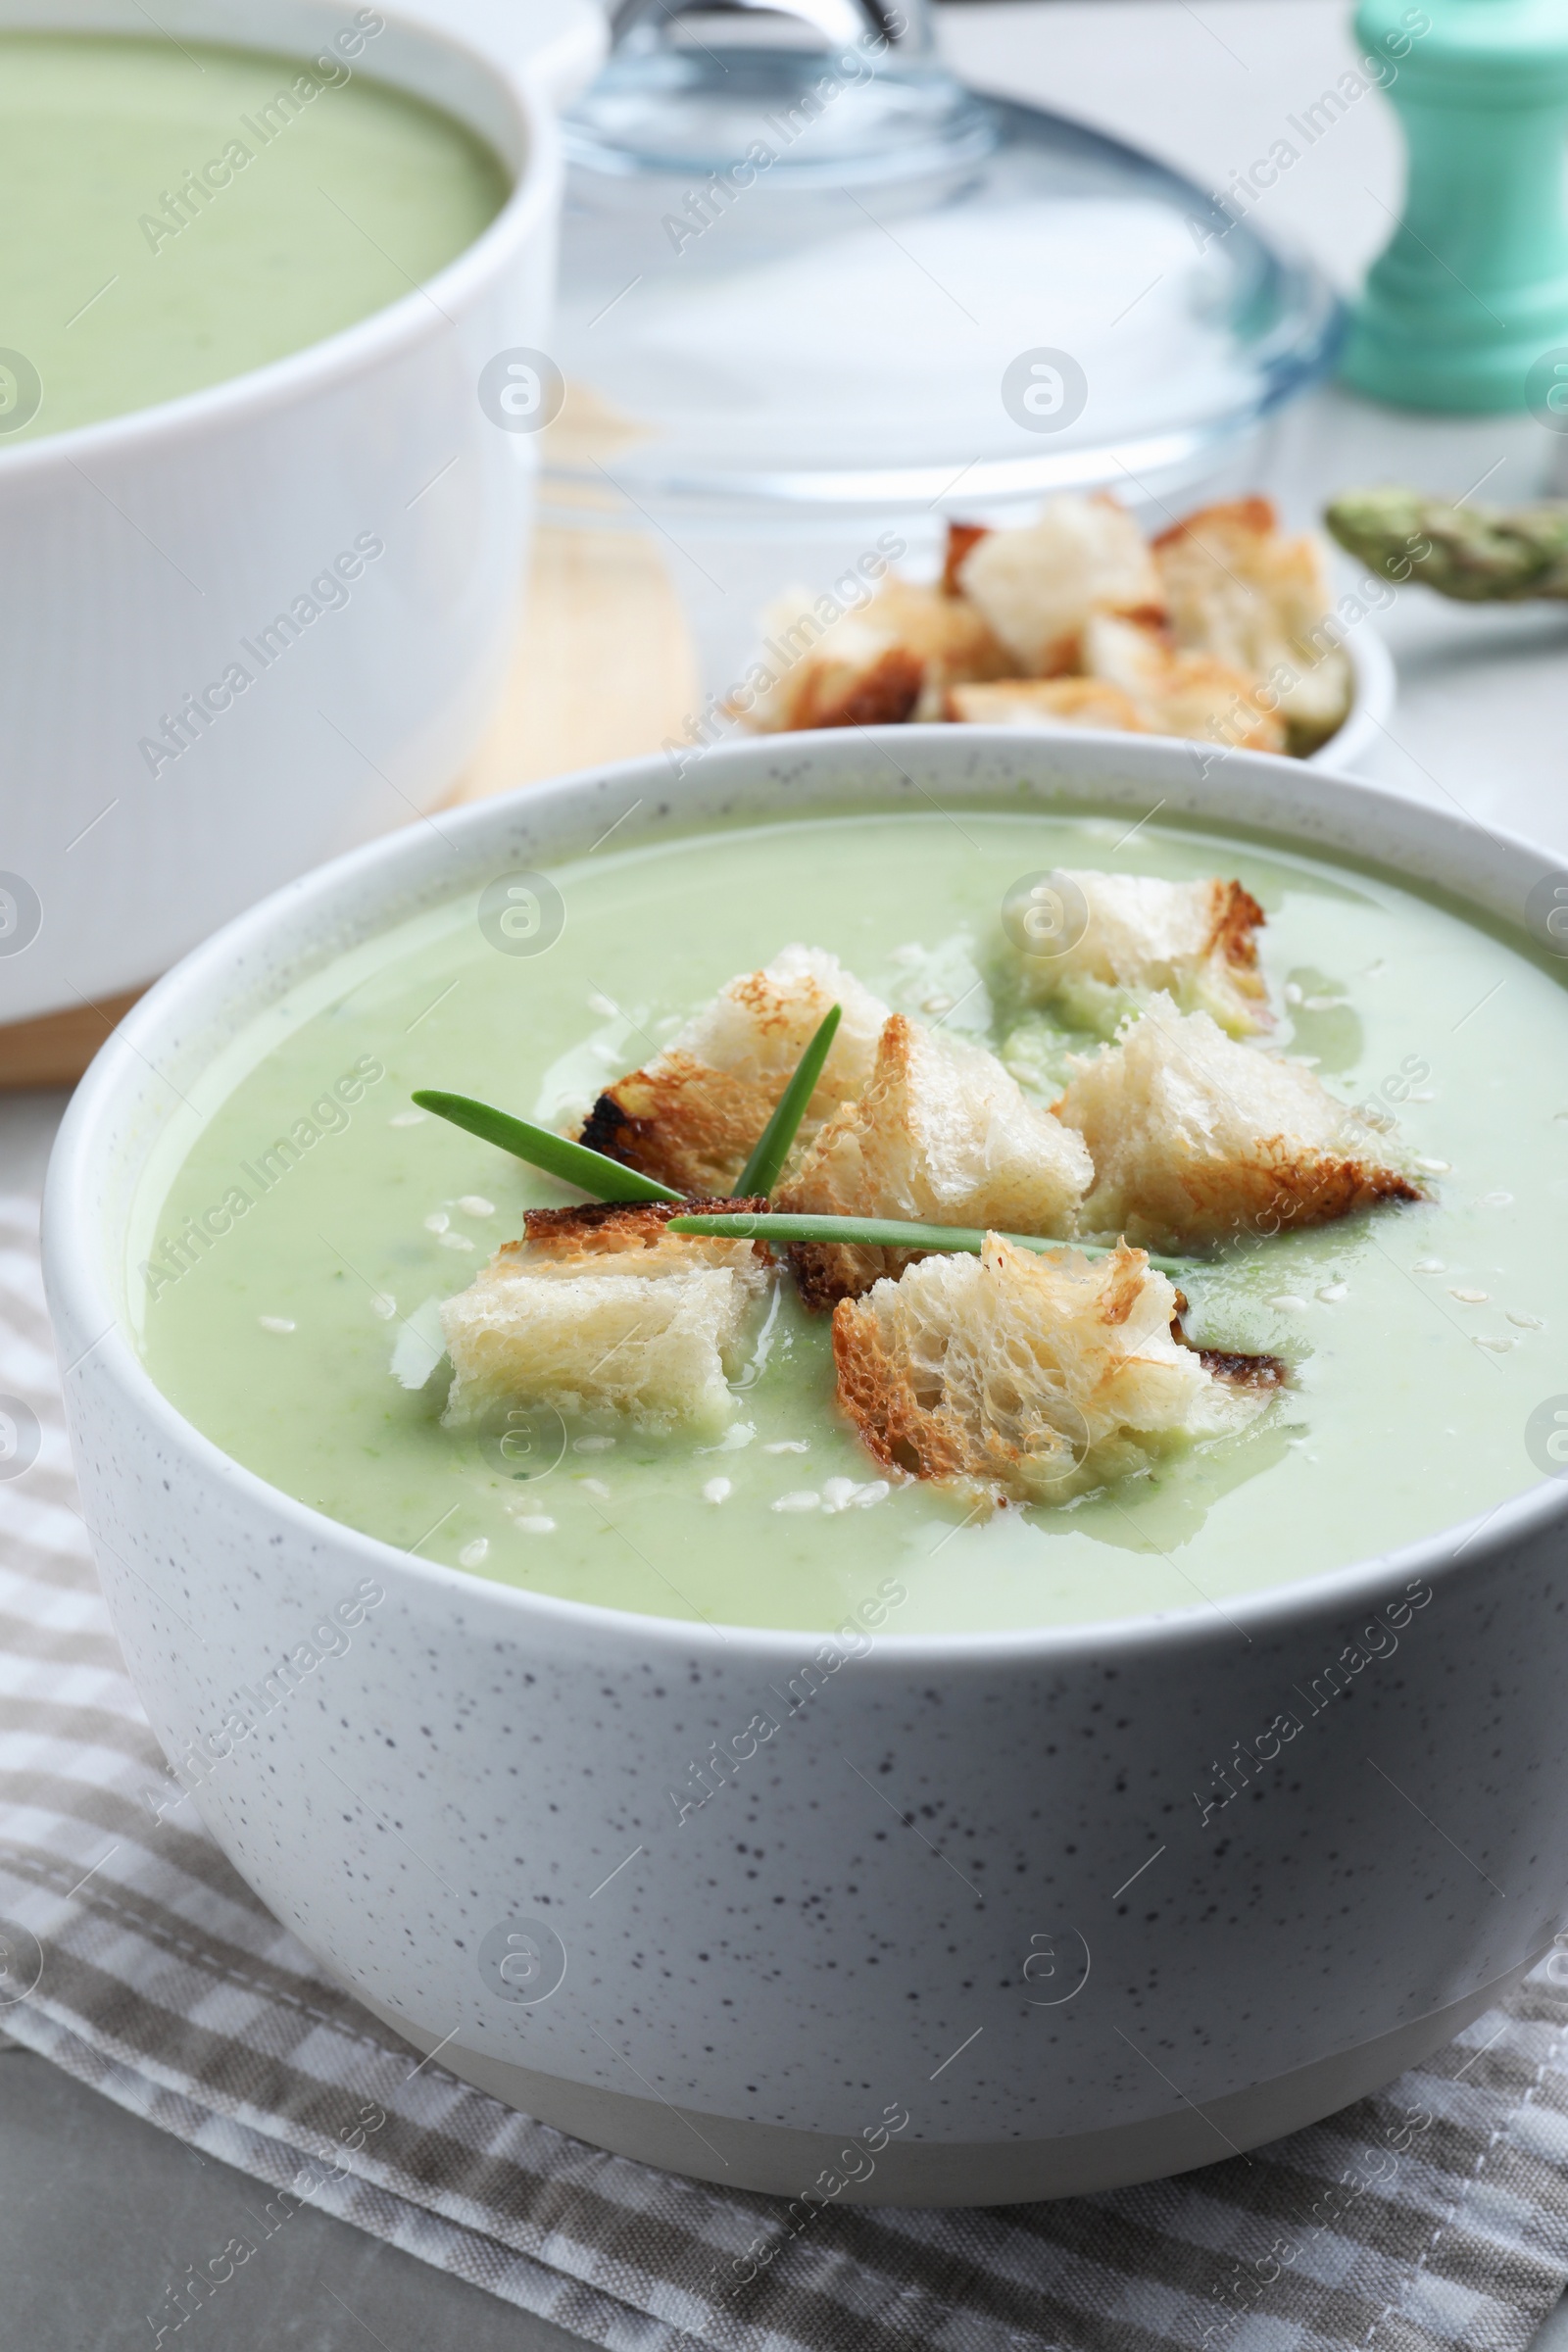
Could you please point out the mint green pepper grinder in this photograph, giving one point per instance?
(1467, 307)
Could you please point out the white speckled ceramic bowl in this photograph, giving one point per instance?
(463, 1807)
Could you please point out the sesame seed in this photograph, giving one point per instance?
(474, 1554)
(456, 1240)
(719, 1490)
(1527, 1322)
(1286, 1298)
(1469, 1297)
(437, 1221)
(407, 1118)
(276, 1323)
(384, 1305)
(535, 1523)
(803, 1499)
(474, 1205)
(846, 1494)
(592, 1445)
(788, 1446)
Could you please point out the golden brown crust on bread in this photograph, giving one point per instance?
(1276, 1187)
(891, 1420)
(943, 629)
(961, 536)
(602, 1307)
(1229, 1364)
(1194, 940)
(827, 1271)
(681, 1122)
(878, 665)
(608, 1227)
(1196, 1138)
(693, 1115)
(942, 1135)
(1238, 919)
(1031, 1376)
(882, 695)
(1241, 1371)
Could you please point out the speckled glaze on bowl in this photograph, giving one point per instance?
(1073, 1975)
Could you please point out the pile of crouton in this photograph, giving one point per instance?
(1020, 1375)
(1218, 630)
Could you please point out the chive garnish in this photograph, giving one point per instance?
(772, 1147)
(590, 1171)
(883, 1233)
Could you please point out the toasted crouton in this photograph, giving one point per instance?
(1180, 693)
(944, 1135)
(1195, 940)
(938, 628)
(1037, 587)
(691, 1117)
(1208, 701)
(602, 1309)
(1033, 1378)
(1045, 703)
(961, 536)
(1259, 599)
(873, 667)
(1196, 1138)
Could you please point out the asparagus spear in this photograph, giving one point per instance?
(1481, 555)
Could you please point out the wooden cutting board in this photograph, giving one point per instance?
(603, 669)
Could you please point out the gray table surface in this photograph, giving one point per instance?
(98, 2209)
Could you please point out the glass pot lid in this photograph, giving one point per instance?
(807, 272)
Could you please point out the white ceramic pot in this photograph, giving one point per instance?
(140, 552)
(739, 1992)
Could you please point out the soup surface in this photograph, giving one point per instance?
(177, 212)
(1420, 1336)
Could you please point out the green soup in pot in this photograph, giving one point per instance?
(301, 1219)
(178, 212)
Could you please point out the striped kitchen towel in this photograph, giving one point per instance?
(1434, 2216)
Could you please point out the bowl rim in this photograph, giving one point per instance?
(383, 335)
(76, 1295)
(1374, 689)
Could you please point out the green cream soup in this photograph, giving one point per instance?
(177, 211)
(331, 1218)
